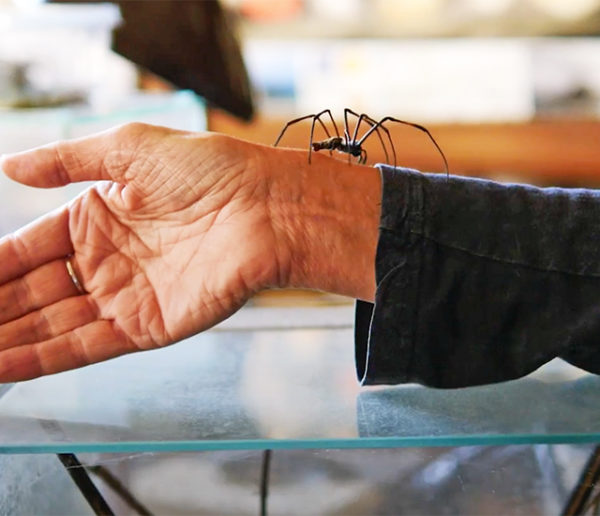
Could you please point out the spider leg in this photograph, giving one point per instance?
(416, 126)
(346, 125)
(310, 141)
(316, 118)
(377, 127)
(351, 141)
(360, 117)
(363, 157)
(347, 130)
(328, 111)
(372, 122)
(290, 123)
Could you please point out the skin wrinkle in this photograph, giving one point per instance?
(42, 326)
(136, 317)
(124, 337)
(140, 239)
(150, 305)
(222, 185)
(78, 348)
(24, 295)
(82, 308)
(135, 321)
(119, 160)
(128, 231)
(31, 302)
(36, 351)
(283, 273)
(130, 284)
(273, 198)
(16, 241)
(62, 164)
(211, 224)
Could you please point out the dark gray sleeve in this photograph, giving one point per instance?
(479, 282)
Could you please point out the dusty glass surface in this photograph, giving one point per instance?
(273, 387)
(38, 484)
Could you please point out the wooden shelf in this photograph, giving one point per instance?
(554, 151)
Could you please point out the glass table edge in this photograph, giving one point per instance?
(295, 444)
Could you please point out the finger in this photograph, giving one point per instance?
(43, 240)
(95, 342)
(104, 156)
(47, 323)
(43, 286)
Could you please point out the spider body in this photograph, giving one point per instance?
(352, 145)
(337, 143)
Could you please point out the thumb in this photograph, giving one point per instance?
(103, 156)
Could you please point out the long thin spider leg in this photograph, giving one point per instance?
(363, 157)
(346, 124)
(361, 117)
(318, 117)
(350, 140)
(286, 126)
(335, 127)
(310, 142)
(416, 126)
(354, 142)
(315, 117)
(373, 123)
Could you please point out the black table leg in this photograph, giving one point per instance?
(589, 479)
(264, 481)
(83, 481)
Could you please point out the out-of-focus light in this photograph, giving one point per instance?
(413, 10)
(268, 10)
(26, 3)
(569, 10)
(488, 7)
(344, 10)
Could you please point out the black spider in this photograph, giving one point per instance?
(353, 145)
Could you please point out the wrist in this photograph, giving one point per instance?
(326, 217)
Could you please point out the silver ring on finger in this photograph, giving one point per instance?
(73, 275)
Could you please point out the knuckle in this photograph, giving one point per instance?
(132, 129)
(65, 160)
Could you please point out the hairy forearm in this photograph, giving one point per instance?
(327, 212)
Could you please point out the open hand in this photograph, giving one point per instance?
(175, 237)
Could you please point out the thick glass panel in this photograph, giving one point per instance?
(274, 387)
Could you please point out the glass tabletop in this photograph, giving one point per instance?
(282, 378)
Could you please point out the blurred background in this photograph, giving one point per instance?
(510, 89)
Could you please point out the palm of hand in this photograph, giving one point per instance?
(168, 262)
(162, 274)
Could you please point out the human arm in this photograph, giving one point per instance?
(180, 231)
(476, 281)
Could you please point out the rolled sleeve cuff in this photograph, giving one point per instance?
(479, 282)
(385, 330)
